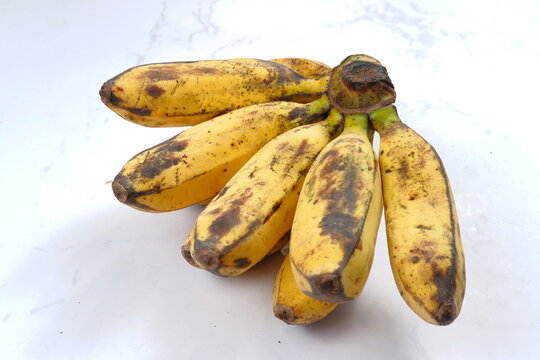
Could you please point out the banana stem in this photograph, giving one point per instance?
(383, 117)
(320, 105)
(357, 123)
(333, 121)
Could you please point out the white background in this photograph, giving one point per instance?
(85, 277)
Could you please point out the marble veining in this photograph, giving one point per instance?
(85, 277)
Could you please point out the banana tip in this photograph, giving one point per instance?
(105, 92)
(209, 259)
(119, 191)
(284, 313)
(446, 314)
(186, 253)
(327, 284)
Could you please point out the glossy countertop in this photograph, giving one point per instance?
(83, 276)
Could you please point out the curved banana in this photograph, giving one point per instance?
(195, 165)
(256, 207)
(187, 93)
(293, 306)
(337, 217)
(422, 228)
(308, 68)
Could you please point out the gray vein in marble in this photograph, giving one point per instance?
(46, 306)
(61, 152)
(154, 31)
(232, 44)
(422, 34)
(205, 19)
(75, 278)
(6, 318)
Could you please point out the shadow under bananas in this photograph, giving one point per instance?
(100, 281)
(366, 324)
(116, 280)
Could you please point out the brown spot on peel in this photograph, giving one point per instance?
(154, 91)
(242, 262)
(225, 222)
(446, 287)
(341, 227)
(172, 146)
(143, 111)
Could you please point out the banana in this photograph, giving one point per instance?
(337, 217)
(186, 248)
(195, 165)
(256, 207)
(308, 68)
(422, 228)
(187, 93)
(293, 306)
(360, 84)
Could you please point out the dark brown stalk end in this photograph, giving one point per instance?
(105, 92)
(208, 259)
(186, 254)
(284, 313)
(446, 314)
(359, 74)
(327, 285)
(119, 191)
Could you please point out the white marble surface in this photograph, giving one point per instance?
(84, 277)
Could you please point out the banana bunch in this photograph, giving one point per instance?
(281, 153)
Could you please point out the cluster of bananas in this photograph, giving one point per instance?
(281, 153)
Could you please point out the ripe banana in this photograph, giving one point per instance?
(337, 217)
(256, 207)
(293, 306)
(422, 228)
(187, 93)
(195, 165)
(305, 67)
